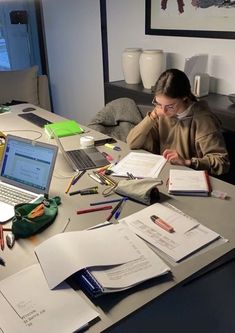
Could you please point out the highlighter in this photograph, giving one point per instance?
(109, 145)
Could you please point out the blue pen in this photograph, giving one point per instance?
(119, 210)
(104, 202)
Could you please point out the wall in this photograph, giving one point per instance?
(126, 19)
(73, 42)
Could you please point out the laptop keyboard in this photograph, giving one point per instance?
(81, 159)
(35, 119)
(14, 196)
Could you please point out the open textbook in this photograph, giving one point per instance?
(112, 255)
(189, 182)
(188, 236)
(140, 165)
(28, 305)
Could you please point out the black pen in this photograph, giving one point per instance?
(2, 262)
(78, 177)
(115, 209)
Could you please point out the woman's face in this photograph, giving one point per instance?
(168, 107)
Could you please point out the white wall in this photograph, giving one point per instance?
(73, 41)
(126, 28)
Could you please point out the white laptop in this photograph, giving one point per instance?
(25, 173)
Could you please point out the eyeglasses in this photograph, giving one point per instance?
(166, 108)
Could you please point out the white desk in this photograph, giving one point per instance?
(214, 213)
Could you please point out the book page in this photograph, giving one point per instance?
(188, 237)
(64, 254)
(187, 180)
(148, 266)
(28, 305)
(140, 165)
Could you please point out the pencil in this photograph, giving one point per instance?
(1, 238)
(90, 210)
(70, 184)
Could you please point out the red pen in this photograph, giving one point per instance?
(164, 225)
(1, 238)
(96, 209)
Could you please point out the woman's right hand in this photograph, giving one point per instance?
(153, 114)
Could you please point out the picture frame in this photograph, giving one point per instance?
(175, 19)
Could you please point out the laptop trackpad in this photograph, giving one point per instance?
(97, 158)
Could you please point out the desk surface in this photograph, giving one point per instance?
(214, 213)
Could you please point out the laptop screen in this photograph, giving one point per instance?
(28, 164)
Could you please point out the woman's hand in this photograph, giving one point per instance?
(153, 114)
(173, 157)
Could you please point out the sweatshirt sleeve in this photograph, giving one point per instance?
(144, 136)
(214, 157)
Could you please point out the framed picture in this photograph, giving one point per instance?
(195, 18)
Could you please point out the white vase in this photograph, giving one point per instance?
(152, 64)
(130, 65)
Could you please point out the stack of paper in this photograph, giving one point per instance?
(188, 236)
(28, 305)
(116, 258)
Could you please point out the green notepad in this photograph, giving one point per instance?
(63, 128)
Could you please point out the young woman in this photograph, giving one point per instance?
(182, 129)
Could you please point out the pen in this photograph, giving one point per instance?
(90, 210)
(66, 225)
(164, 225)
(119, 210)
(114, 210)
(70, 184)
(130, 176)
(2, 262)
(108, 145)
(78, 177)
(1, 238)
(85, 189)
(95, 178)
(104, 202)
(89, 191)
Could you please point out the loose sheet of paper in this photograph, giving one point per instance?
(123, 276)
(28, 305)
(140, 165)
(188, 237)
(64, 254)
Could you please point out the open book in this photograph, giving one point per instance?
(189, 182)
(107, 259)
(140, 164)
(188, 234)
